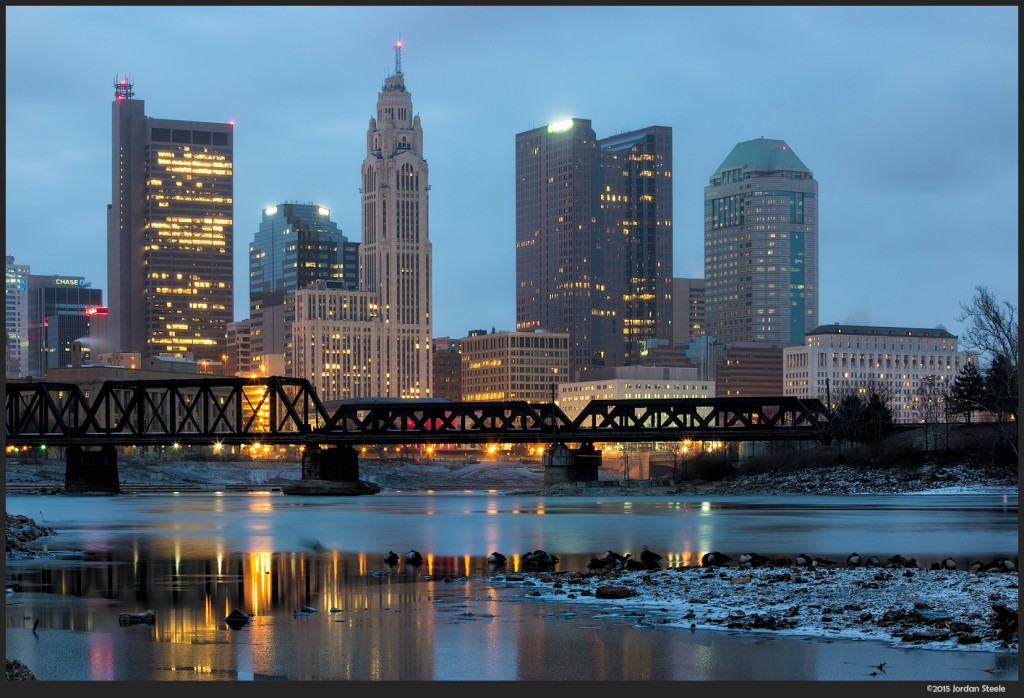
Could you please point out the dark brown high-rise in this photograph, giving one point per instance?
(594, 240)
(169, 233)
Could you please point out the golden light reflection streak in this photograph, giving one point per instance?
(466, 559)
(260, 581)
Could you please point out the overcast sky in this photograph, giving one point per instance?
(906, 116)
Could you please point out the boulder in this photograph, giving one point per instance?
(613, 591)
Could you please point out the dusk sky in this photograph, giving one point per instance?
(906, 116)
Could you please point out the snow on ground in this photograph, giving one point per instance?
(933, 609)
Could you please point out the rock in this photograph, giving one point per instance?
(926, 636)
(16, 671)
(612, 591)
(147, 617)
(237, 619)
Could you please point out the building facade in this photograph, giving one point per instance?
(633, 383)
(57, 317)
(514, 365)
(238, 355)
(594, 239)
(636, 217)
(169, 233)
(750, 369)
(761, 246)
(295, 245)
(909, 367)
(447, 368)
(16, 318)
(689, 310)
(339, 339)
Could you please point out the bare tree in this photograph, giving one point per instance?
(992, 329)
(931, 398)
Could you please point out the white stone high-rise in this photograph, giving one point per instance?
(394, 327)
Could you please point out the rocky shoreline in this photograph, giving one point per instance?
(945, 609)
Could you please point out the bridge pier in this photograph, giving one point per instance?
(563, 464)
(336, 464)
(91, 472)
(331, 471)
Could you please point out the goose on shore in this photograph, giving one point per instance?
(753, 560)
(714, 559)
(631, 563)
(647, 556)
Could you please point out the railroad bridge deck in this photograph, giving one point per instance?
(282, 410)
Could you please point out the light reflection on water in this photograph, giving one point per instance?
(193, 558)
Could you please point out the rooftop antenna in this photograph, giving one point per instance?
(398, 57)
(123, 88)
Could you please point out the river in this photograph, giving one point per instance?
(192, 558)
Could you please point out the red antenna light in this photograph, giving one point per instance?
(123, 89)
(231, 123)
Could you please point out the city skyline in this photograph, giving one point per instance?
(913, 141)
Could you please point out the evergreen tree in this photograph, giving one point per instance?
(1001, 386)
(876, 420)
(968, 393)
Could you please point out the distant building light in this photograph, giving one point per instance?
(270, 210)
(323, 211)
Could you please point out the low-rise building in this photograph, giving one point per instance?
(911, 368)
(514, 365)
(633, 383)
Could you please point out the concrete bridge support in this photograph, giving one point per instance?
(563, 464)
(90, 471)
(334, 464)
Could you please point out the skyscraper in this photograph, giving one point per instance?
(636, 210)
(296, 245)
(16, 318)
(169, 233)
(557, 256)
(761, 246)
(594, 239)
(395, 255)
(376, 341)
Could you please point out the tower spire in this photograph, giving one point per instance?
(398, 56)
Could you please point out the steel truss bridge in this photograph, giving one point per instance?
(280, 410)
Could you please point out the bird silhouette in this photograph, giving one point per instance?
(647, 556)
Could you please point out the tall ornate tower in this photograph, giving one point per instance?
(395, 254)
